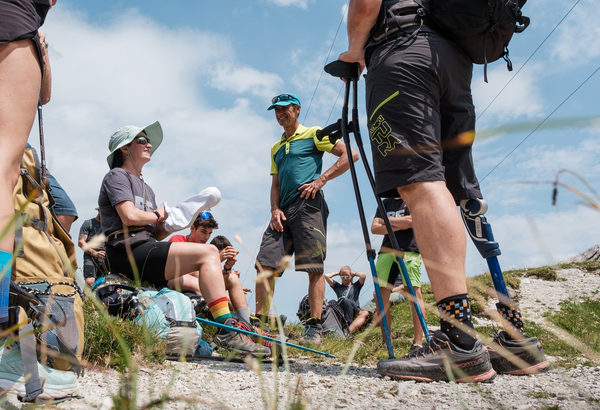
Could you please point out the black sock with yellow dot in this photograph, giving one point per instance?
(456, 307)
(512, 314)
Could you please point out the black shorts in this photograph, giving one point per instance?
(94, 268)
(150, 259)
(20, 20)
(421, 116)
(304, 234)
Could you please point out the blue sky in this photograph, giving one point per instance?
(207, 70)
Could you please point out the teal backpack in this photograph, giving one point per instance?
(171, 315)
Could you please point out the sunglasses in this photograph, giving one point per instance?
(282, 97)
(205, 215)
(345, 276)
(142, 140)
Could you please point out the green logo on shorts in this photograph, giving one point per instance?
(382, 137)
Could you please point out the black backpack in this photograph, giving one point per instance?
(334, 321)
(482, 28)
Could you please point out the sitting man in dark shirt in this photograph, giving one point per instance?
(347, 292)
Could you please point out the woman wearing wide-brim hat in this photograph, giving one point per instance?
(134, 227)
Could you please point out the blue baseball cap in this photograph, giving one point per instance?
(284, 99)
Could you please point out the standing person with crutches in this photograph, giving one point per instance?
(421, 125)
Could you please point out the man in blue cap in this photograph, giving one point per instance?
(298, 210)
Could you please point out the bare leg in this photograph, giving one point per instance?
(359, 321)
(187, 257)
(418, 335)
(385, 297)
(66, 221)
(236, 291)
(316, 293)
(440, 235)
(264, 293)
(185, 283)
(20, 80)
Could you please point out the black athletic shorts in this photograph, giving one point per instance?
(150, 259)
(20, 20)
(304, 234)
(421, 116)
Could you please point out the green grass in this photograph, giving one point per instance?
(101, 345)
(581, 319)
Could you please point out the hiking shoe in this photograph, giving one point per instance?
(263, 321)
(238, 342)
(57, 384)
(246, 326)
(313, 333)
(528, 349)
(438, 358)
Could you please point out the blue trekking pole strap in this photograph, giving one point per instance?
(5, 268)
(415, 303)
(246, 332)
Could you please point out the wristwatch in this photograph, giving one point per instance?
(157, 215)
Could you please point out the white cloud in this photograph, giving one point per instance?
(302, 4)
(520, 98)
(576, 40)
(241, 80)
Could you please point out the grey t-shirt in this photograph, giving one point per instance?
(118, 186)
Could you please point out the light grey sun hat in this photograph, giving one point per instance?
(126, 134)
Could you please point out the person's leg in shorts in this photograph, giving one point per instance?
(269, 265)
(412, 261)
(309, 232)
(362, 318)
(436, 109)
(387, 272)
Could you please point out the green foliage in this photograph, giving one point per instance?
(543, 272)
(101, 345)
(581, 319)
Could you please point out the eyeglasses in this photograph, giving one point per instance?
(142, 140)
(282, 97)
(205, 215)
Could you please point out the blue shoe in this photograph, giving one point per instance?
(57, 384)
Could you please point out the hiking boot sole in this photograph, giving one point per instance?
(49, 393)
(486, 377)
(534, 369)
(465, 367)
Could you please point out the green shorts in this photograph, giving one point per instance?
(388, 269)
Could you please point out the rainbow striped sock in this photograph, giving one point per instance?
(219, 309)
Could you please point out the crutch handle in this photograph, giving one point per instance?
(332, 130)
(343, 69)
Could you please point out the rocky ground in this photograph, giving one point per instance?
(319, 383)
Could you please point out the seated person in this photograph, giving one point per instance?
(134, 226)
(370, 308)
(94, 264)
(347, 291)
(200, 232)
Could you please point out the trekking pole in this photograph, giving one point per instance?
(42, 146)
(247, 332)
(350, 72)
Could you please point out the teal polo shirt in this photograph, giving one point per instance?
(297, 160)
